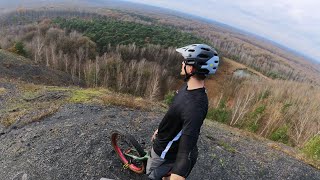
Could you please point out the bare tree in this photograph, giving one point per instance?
(47, 56)
(81, 55)
(97, 69)
(53, 47)
(38, 44)
(154, 83)
(66, 61)
(241, 107)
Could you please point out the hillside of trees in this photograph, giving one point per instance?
(266, 58)
(97, 61)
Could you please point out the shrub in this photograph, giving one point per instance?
(312, 148)
(254, 118)
(18, 48)
(258, 111)
(220, 114)
(265, 94)
(253, 127)
(275, 75)
(168, 98)
(280, 135)
(285, 107)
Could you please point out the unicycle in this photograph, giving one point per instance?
(129, 151)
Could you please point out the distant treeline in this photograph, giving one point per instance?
(22, 17)
(116, 26)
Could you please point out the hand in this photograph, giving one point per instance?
(154, 135)
(176, 177)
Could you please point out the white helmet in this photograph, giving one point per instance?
(201, 56)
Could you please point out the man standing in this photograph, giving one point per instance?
(175, 141)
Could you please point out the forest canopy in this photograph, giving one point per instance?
(105, 32)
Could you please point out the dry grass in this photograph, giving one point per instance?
(12, 118)
(36, 112)
(28, 112)
(2, 91)
(25, 108)
(33, 111)
(47, 112)
(103, 96)
(291, 151)
(130, 102)
(294, 153)
(285, 111)
(29, 87)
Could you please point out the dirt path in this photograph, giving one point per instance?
(74, 144)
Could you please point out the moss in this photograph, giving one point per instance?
(227, 147)
(312, 148)
(85, 95)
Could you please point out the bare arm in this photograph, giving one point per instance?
(154, 135)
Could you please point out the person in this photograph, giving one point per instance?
(175, 141)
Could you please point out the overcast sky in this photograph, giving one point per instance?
(293, 23)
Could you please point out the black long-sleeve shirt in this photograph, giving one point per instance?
(179, 129)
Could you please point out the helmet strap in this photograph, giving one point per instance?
(187, 76)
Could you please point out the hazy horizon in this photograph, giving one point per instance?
(291, 23)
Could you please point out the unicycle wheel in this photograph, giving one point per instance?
(125, 144)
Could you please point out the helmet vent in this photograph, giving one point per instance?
(216, 61)
(206, 49)
(191, 50)
(203, 56)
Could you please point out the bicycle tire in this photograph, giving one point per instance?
(120, 151)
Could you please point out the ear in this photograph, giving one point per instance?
(192, 69)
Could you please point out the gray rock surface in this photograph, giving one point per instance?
(74, 143)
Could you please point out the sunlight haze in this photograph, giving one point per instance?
(293, 23)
